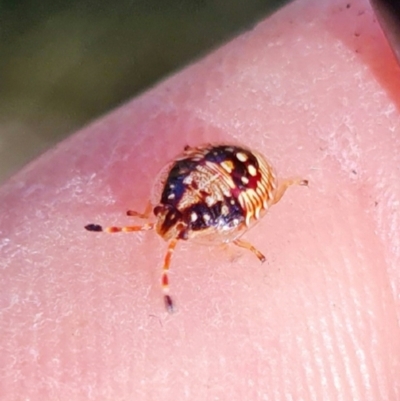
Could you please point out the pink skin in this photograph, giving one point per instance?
(316, 89)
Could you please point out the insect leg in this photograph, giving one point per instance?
(169, 305)
(244, 244)
(144, 215)
(285, 184)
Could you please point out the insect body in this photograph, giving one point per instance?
(213, 193)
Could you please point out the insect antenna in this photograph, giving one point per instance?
(126, 229)
(114, 229)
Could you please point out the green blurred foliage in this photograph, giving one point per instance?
(64, 63)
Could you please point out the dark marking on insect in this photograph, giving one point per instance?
(210, 192)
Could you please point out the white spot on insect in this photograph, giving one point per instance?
(235, 222)
(232, 202)
(188, 180)
(206, 217)
(193, 217)
(225, 210)
(244, 180)
(210, 201)
(252, 170)
(242, 157)
(171, 196)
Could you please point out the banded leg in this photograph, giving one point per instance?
(246, 245)
(169, 305)
(144, 215)
(285, 184)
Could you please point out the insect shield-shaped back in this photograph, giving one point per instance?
(213, 190)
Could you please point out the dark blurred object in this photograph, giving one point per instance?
(388, 15)
(64, 63)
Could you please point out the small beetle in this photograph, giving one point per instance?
(210, 192)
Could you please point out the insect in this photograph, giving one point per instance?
(212, 192)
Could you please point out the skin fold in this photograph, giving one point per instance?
(315, 88)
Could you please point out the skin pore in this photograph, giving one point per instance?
(315, 88)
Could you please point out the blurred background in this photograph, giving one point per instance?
(63, 63)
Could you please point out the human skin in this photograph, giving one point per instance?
(316, 89)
